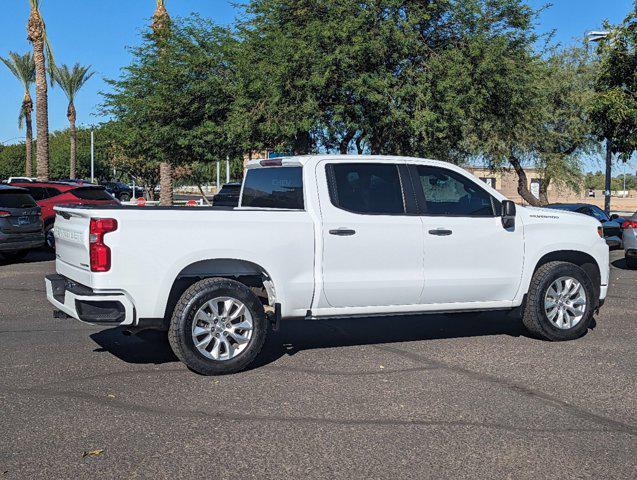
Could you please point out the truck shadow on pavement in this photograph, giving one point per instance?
(621, 263)
(151, 347)
(34, 256)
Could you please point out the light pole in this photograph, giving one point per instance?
(93, 158)
(596, 36)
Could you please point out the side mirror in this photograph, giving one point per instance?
(508, 214)
(614, 216)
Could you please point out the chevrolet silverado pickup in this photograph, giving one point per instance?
(322, 237)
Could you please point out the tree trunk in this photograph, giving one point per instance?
(302, 143)
(375, 143)
(71, 115)
(165, 184)
(343, 147)
(28, 167)
(35, 33)
(150, 193)
(523, 182)
(607, 181)
(359, 143)
(203, 195)
(544, 186)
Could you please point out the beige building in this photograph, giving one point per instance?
(506, 182)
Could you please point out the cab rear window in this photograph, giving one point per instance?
(13, 199)
(91, 193)
(275, 187)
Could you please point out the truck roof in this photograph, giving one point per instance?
(312, 160)
(304, 160)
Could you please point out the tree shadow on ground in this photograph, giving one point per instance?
(298, 335)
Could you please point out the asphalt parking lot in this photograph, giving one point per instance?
(450, 396)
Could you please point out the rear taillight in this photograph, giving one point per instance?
(99, 252)
(629, 224)
(4, 214)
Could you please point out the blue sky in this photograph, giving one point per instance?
(97, 32)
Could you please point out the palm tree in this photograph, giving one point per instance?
(160, 27)
(71, 81)
(161, 19)
(23, 68)
(36, 33)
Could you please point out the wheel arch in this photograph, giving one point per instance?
(582, 259)
(249, 273)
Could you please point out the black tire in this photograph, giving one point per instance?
(49, 239)
(15, 256)
(631, 262)
(180, 332)
(124, 197)
(535, 318)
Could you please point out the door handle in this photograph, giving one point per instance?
(343, 232)
(441, 232)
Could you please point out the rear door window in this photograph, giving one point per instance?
(367, 188)
(52, 192)
(91, 193)
(275, 187)
(38, 193)
(13, 199)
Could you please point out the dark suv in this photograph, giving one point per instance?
(228, 196)
(20, 223)
(122, 192)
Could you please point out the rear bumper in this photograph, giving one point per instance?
(26, 241)
(86, 305)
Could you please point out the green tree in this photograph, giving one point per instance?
(71, 80)
(23, 68)
(614, 106)
(562, 126)
(172, 108)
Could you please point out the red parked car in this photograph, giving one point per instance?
(50, 194)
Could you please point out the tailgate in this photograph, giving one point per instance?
(71, 231)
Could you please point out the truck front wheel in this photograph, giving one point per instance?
(218, 327)
(560, 302)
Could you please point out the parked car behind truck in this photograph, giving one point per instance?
(630, 240)
(611, 226)
(228, 195)
(50, 194)
(20, 223)
(321, 237)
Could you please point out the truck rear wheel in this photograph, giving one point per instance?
(218, 327)
(560, 302)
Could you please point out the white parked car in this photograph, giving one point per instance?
(21, 179)
(326, 236)
(629, 234)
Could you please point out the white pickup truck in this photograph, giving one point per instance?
(326, 236)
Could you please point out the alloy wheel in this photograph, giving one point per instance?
(222, 328)
(565, 302)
